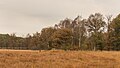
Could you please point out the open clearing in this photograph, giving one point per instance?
(59, 59)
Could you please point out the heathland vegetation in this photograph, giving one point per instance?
(59, 59)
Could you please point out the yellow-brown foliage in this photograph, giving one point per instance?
(59, 59)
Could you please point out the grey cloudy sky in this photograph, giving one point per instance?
(28, 16)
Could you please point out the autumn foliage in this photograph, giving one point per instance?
(94, 33)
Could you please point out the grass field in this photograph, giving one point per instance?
(59, 59)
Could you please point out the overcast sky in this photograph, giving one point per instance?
(28, 16)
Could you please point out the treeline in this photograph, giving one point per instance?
(95, 33)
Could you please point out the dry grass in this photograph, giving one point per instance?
(59, 59)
